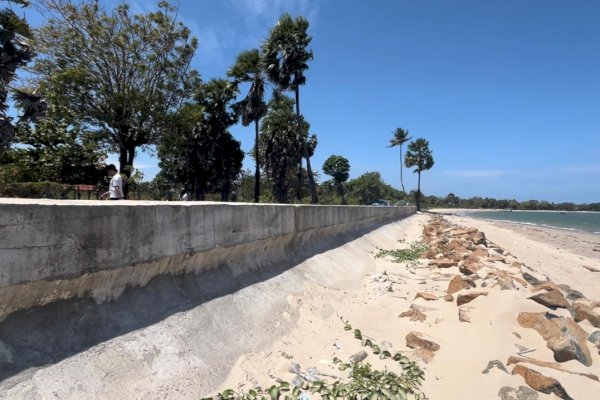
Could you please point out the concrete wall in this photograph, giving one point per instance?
(52, 250)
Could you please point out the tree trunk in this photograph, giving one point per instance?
(401, 179)
(311, 179)
(299, 182)
(419, 191)
(257, 171)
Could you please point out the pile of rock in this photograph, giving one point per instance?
(483, 266)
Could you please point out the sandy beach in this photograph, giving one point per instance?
(454, 371)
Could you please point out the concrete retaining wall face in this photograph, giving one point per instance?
(57, 250)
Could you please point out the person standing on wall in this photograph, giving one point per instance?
(115, 188)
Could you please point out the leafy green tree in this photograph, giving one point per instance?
(281, 146)
(120, 74)
(249, 68)
(419, 155)
(286, 57)
(400, 137)
(199, 151)
(15, 52)
(370, 187)
(338, 168)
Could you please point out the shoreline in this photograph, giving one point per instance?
(469, 213)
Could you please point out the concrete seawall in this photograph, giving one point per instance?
(58, 250)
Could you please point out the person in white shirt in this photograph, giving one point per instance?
(115, 188)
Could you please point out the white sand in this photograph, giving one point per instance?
(466, 348)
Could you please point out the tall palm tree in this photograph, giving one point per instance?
(286, 56)
(249, 68)
(400, 137)
(419, 156)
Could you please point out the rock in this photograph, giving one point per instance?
(426, 296)
(532, 280)
(594, 338)
(505, 283)
(414, 315)
(425, 348)
(444, 262)
(573, 295)
(469, 266)
(464, 315)
(494, 364)
(497, 259)
(449, 298)
(522, 393)
(478, 253)
(459, 283)
(582, 312)
(591, 269)
(358, 357)
(545, 364)
(552, 299)
(478, 238)
(468, 297)
(562, 335)
(541, 383)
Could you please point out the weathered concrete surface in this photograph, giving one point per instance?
(178, 335)
(57, 250)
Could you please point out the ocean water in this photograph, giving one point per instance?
(576, 221)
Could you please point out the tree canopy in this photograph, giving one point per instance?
(119, 73)
(419, 156)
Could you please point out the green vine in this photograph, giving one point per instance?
(365, 382)
(412, 253)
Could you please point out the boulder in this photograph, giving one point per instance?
(551, 298)
(468, 297)
(522, 393)
(459, 283)
(358, 357)
(582, 312)
(563, 336)
(426, 296)
(479, 253)
(414, 315)
(594, 338)
(546, 364)
(505, 283)
(541, 383)
(469, 266)
(478, 238)
(449, 298)
(424, 348)
(495, 258)
(532, 280)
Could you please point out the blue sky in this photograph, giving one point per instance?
(507, 92)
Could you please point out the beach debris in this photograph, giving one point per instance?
(514, 360)
(522, 393)
(563, 336)
(426, 296)
(424, 348)
(551, 298)
(468, 297)
(358, 357)
(414, 315)
(581, 312)
(540, 382)
(464, 314)
(286, 355)
(459, 283)
(494, 364)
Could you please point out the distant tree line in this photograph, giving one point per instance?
(453, 201)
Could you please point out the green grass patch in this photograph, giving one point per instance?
(412, 253)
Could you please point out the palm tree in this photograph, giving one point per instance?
(419, 156)
(286, 56)
(400, 137)
(248, 67)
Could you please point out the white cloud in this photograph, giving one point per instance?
(476, 173)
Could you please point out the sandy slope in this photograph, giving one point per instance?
(253, 336)
(466, 348)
